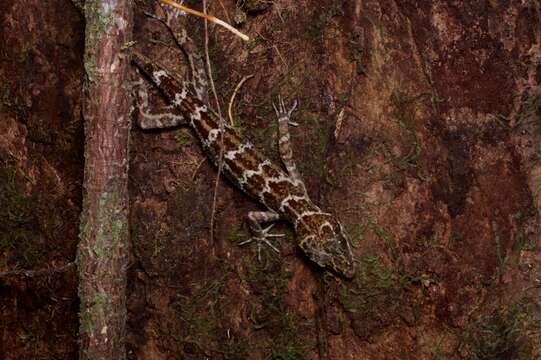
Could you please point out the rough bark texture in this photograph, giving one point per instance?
(102, 255)
(41, 167)
(419, 126)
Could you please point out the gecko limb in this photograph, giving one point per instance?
(284, 140)
(199, 78)
(197, 65)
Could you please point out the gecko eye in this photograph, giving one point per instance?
(312, 247)
(326, 230)
(330, 248)
(337, 244)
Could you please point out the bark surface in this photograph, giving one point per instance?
(102, 254)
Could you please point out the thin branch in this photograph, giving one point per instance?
(198, 167)
(207, 17)
(221, 156)
(225, 11)
(281, 57)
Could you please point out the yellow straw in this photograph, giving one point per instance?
(208, 17)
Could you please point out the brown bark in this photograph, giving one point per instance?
(102, 253)
(408, 116)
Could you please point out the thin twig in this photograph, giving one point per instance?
(261, 35)
(221, 155)
(207, 17)
(225, 11)
(198, 167)
(281, 57)
(237, 88)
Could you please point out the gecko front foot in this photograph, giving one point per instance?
(283, 114)
(261, 237)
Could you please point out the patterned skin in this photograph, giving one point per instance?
(319, 234)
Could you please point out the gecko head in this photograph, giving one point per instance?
(327, 244)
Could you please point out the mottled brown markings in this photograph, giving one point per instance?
(284, 194)
(255, 187)
(240, 165)
(230, 142)
(278, 192)
(295, 207)
(189, 104)
(273, 173)
(203, 129)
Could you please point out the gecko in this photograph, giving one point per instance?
(280, 190)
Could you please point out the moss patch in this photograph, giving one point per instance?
(203, 327)
(504, 333)
(375, 298)
(18, 246)
(288, 331)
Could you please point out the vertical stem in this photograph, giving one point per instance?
(102, 254)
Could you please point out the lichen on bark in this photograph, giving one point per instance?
(103, 249)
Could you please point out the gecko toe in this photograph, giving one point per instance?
(262, 238)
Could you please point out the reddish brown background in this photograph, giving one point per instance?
(420, 127)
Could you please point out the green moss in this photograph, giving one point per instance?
(17, 222)
(375, 297)
(505, 333)
(356, 234)
(96, 309)
(316, 141)
(344, 171)
(456, 239)
(324, 18)
(529, 112)
(91, 69)
(406, 118)
(183, 138)
(237, 235)
(201, 324)
(8, 100)
(87, 324)
(498, 245)
(5, 92)
(110, 228)
(289, 345)
(386, 237)
(99, 17)
(254, 6)
(287, 330)
(374, 276)
(437, 354)
(522, 240)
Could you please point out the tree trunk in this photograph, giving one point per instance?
(103, 248)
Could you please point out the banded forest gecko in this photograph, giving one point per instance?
(320, 235)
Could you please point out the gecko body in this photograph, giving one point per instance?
(282, 192)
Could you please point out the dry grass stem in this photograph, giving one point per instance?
(206, 17)
(237, 88)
